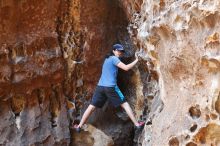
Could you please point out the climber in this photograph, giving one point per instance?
(107, 87)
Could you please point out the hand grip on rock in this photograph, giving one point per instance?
(138, 53)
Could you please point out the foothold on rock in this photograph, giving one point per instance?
(191, 144)
(213, 116)
(193, 128)
(174, 141)
(217, 104)
(195, 112)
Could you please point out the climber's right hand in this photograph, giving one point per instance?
(137, 55)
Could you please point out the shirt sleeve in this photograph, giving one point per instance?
(115, 60)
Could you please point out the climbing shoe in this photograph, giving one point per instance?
(140, 125)
(76, 128)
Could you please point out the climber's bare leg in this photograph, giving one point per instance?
(86, 114)
(130, 113)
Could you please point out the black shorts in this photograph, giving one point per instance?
(113, 94)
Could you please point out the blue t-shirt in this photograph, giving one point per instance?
(109, 72)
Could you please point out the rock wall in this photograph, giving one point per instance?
(181, 40)
(33, 109)
(51, 54)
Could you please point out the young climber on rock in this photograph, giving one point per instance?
(107, 87)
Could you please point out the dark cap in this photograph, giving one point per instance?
(118, 47)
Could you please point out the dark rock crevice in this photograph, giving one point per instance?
(99, 34)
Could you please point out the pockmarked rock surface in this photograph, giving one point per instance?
(181, 40)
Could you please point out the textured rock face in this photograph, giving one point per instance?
(131, 7)
(32, 69)
(92, 137)
(51, 52)
(29, 46)
(182, 40)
